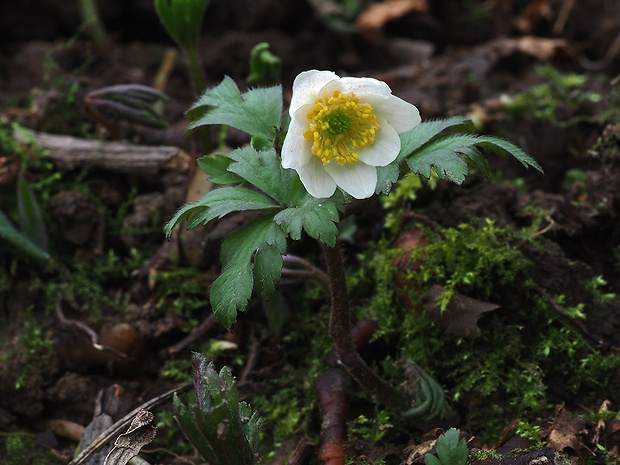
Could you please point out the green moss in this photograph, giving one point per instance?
(287, 401)
(23, 449)
(24, 355)
(558, 94)
(519, 365)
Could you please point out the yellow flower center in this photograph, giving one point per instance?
(340, 126)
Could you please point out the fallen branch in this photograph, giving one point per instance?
(68, 153)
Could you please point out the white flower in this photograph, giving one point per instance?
(341, 130)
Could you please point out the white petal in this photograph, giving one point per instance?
(296, 150)
(368, 90)
(385, 149)
(358, 179)
(316, 181)
(306, 87)
(401, 115)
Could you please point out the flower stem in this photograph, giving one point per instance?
(199, 82)
(340, 331)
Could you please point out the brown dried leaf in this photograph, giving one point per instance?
(378, 14)
(541, 48)
(460, 317)
(564, 434)
(140, 433)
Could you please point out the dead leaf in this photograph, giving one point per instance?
(377, 15)
(564, 434)
(460, 317)
(140, 433)
(541, 48)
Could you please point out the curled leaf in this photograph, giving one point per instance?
(140, 433)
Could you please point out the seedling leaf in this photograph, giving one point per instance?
(19, 240)
(30, 219)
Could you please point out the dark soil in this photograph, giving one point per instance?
(455, 58)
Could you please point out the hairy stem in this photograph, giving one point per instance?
(340, 331)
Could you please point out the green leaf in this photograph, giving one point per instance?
(251, 429)
(478, 159)
(257, 112)
(251, 255)
(217, 169)
(431, 460)
(188, 424)
(264, 171)
(318, 217)
(264, 65)
(504, 148)
(445, 161)
(424, 132)
(446, 154)
(451, 449)
(20, 241)
(231, 428)
(219, 203)
(183, 20)
(386, 176)
(30, 219)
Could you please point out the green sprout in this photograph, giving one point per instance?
(450, 448)
(183, 20)
(264, 65)
(559, 92)
(223, 430)
(132, 102)
(31, 237)
(92, 22)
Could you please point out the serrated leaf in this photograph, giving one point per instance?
(478, 159)
(503, 147)
(257, 112)
(430, 459)
(264, 171)
(216, 168)
(446, 162)
(386, 176)
(268, 267)
(232, 290)
(445, 154)
(187, 423)
(451, 449)
(424, 132)
(219, 203)
(318, 217)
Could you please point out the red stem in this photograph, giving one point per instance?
(340, 331)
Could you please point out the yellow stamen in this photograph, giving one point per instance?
(339, 124)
